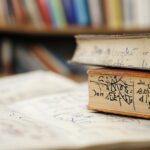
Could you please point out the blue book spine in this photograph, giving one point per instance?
(82, 12)
(69, 11)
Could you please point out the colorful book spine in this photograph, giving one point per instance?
(113, 14)
(33, 12)
(42, 5)
(2, 13)
(57, 11)
(82, 12)
(69, 11)
(19, 11)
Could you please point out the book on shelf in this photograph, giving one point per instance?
(39, 112)
(69, 10)
(96, 12)
(114, 14)
(127, 51)
(43, 8)
(119, 91)
(57, 12)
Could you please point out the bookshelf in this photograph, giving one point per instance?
(31, 30)
(56, 22)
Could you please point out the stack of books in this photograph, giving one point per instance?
(112, 14)
(122, 85)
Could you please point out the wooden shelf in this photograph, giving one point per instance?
(22, 29)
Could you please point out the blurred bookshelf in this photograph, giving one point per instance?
(50, 26)
(31, 30)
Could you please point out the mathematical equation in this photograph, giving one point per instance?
(122, 90)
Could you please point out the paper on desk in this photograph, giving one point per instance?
(67, 111)
(20, 132)
(33, 84)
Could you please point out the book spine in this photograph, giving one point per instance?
(128, 15)
(6, 52)
(42, 5)
(82, 12)
(58, 15)
(2, 12)
(19, 11)
(69, 11)
(43, 58)
(142, 13)
(9, 12)
(33, 12)
(96, 14)
(113, 14)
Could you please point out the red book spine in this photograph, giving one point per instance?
(43, 59)
(44, 12)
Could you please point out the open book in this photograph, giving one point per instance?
(59, 119)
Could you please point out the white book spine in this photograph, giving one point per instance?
(95, 10)
(33, 12)
(142, 15)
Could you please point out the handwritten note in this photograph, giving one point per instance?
(68, 111)
(128, 94)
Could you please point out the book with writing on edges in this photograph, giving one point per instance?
(126, 51)
(124, 92)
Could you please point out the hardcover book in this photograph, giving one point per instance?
(120, 92)
(126, 51)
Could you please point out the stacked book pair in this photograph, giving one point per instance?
(120, 81)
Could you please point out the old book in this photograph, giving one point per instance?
(122, 92)
(127, 51)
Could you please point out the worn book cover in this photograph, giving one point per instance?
(120, 91)
(126, 51)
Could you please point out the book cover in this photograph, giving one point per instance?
(126, 51)
(124, 92)
(82, 12)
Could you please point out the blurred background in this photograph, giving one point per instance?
(39, 34)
